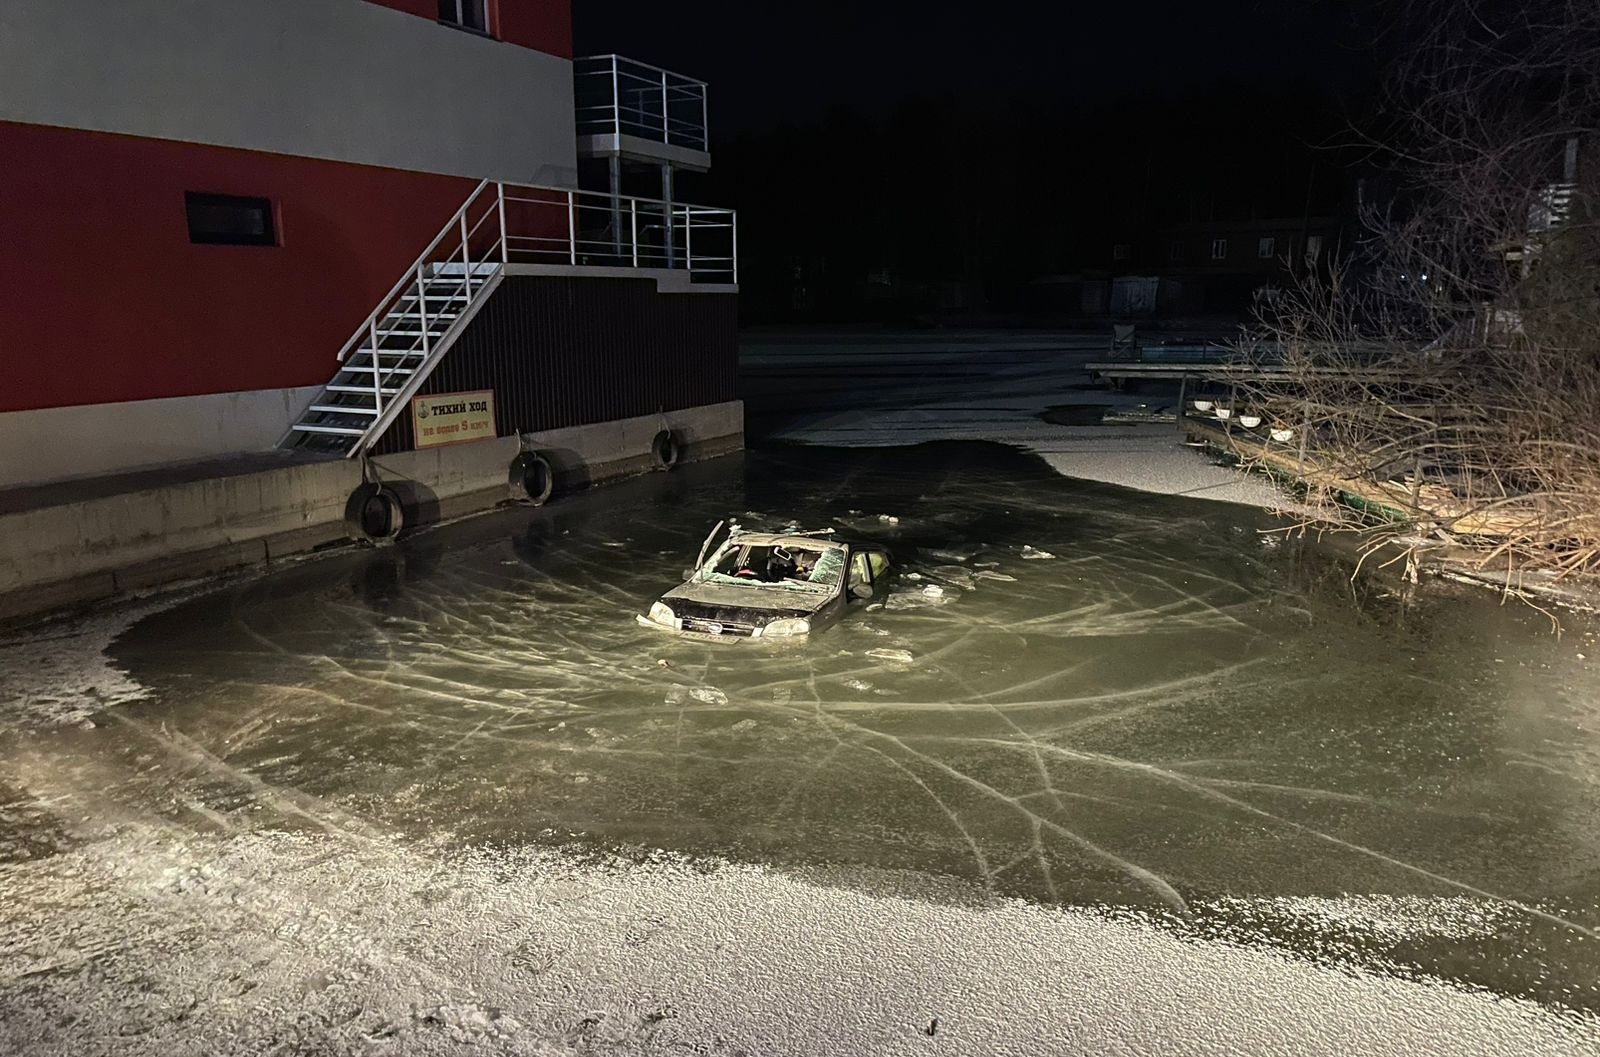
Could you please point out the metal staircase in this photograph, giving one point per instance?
(387, 359)
(397, 346)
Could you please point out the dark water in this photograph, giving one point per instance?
(1181, 712)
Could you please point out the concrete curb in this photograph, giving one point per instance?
(74, 554)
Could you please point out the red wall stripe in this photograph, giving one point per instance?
(103, 298)
(543, 25)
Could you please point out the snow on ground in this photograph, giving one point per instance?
(933, 381)
(60, 672)
(274, 942)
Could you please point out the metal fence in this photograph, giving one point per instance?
(618, 96)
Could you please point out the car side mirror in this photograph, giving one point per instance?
(860, 592)
(688, 574)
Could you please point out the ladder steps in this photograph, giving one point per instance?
(339, 409)
(429, 309)
(358, 389)
(343, 431)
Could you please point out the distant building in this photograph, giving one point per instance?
(1216, 266)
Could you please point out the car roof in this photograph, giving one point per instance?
(777, 539)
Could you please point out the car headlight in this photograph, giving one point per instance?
(787, 626)
(662, 614)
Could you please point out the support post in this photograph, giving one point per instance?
(614, 164)
(1183, 397)
(705, 124)
(505, 250)
(616, 103)
(572, 230)
(666, 210)
(377, 376)
(422, 310)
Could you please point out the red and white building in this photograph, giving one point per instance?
(212, 212)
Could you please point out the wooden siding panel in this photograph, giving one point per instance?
(570, 351)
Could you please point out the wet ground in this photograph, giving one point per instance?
(1076, 694)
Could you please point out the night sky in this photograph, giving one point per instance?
(769, 63)
(989, 143)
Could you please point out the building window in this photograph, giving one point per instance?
(1266, 247)
(229, 220)
(1121, 251)
(1219, 249)
(467, 14)
(1313, 248)
(1175, 251)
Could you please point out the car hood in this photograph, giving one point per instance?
(773, 601)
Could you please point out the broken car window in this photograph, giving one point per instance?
(778, 565)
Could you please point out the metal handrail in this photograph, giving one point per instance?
(613, 57)
(516, 224)
(636, 98)
(405, 277)
(538, 225)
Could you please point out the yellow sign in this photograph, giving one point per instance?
(452, 418)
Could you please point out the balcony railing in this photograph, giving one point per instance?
(621, 97)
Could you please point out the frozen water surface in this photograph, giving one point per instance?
(1183, 787)
(1182, 714)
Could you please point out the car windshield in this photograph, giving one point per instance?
(794, 567)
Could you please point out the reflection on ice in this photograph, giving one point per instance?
(1164, 716)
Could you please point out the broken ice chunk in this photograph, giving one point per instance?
(951, 554)
(990, 574)
(1031, 552)
(898, 656)
(954, 574)
(709, 695)
(888, 519)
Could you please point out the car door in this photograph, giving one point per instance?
(865, 576)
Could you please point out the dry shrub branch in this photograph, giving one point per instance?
(1445, 370)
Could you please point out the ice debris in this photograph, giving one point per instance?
(1033, 552)
(707, 695)
(898, 656)
(954, 574)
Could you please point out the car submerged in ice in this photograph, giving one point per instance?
(761, 585)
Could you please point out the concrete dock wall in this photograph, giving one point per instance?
(61, 554)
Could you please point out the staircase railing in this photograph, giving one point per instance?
(618, 96)
(508, 224)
